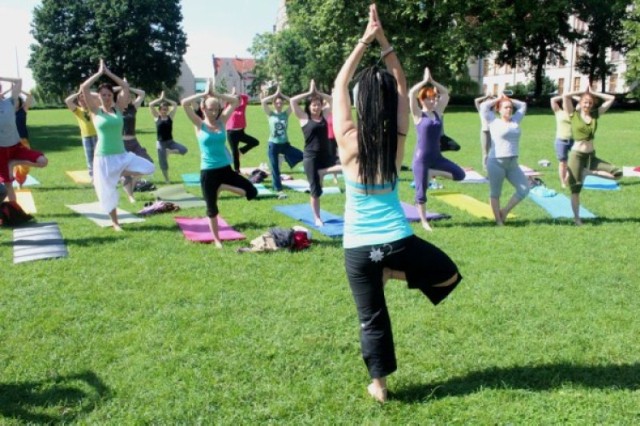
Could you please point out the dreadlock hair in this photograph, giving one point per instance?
(377, 111)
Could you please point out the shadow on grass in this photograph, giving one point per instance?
(532, 378)
(61, 399)
(59, 137)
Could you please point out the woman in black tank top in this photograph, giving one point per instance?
(163, 110)
(317, 160)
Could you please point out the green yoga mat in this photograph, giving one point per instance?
(177, 195)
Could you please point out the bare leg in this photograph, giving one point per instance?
(392, 274)
(127, 185)
(495, 207)
(113, 214)
(213, 226)
(234, 189)
(333, 169)
(513, 201)
(315, 208)
(575, 206)
(602, 174)
(422, 212)
(11, 193)
(563, 173)
(378, 389)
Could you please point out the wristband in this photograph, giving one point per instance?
(385, 52)
(364, 42)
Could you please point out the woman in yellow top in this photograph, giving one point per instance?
(582, 157)
(77, 105)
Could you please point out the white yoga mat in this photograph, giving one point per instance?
(93, 212)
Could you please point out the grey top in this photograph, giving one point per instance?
(8, 131)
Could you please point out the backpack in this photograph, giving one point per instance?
(158, 207)
(11, 214)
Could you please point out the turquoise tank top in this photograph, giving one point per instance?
(213, 149)
(109, 130)
(376, 218)
(278, 127)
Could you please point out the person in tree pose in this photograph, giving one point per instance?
(111, 160)
(428, 160)
(278, 138)
(235, 126)
(12, 152)
(163, 110)
(582, 156)
(502, 163)
(215, 162)
(318, 160)
(564, 138)
(378, 241)
(78, 106)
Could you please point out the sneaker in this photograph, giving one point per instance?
(282, 196)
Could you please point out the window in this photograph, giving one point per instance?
(495, 89)
(560, 86)
(576, 84)
(484, 89)
(485, 67)
(507, 69)
(613, 83)
(615, 55)
(495, 68)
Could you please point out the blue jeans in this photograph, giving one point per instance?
(292, 156)
(89, 144)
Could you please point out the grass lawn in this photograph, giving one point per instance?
(144, 327)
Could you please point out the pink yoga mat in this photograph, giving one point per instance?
(197, 229)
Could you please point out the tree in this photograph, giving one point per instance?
(539, 37)
(632, 36)
(141, 40)
(604, 20)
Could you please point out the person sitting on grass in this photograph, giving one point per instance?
(163, 110)
(216, 173)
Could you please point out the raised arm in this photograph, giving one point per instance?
(486, 108)
(85, 88)
(140, 95)
(443, 92)
(567, 101)
(70, 101)
(607, 101)
(416, 110)
(555, 103)
(266, 101)
(153, 104)
(16, 87)
(28, 100)
(521, 109)
(187, 105)
(481, 99)
(295, 103)
(122, 100)
(230, 101)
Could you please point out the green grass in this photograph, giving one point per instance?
(145, 327)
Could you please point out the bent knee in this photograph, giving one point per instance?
(447, 283)
(42, 161)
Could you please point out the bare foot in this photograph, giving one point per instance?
(319, 222)
(378, 393)
(117, 227)
(503, 216)
(131, 199)
(426, 226)
(577, 221)
(217, 244)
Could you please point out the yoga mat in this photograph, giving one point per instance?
(559, 206)
(79, 176)
(301, 185)
(197, 229)
(191, 179)
(600, 183)
(628, 171)
(30, 181)
(468, 204)
(38, 241)
(411, 213)
(263, 191)
(330, 176)
(333, 225)
(471, 176)
(25, 199)
(93, 212)
(177, 195)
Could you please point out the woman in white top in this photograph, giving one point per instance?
(502, 162)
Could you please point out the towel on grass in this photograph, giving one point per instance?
(25, 199)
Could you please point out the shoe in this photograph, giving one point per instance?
(282, 196)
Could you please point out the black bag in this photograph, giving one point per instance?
(11, 214)
(448, 144)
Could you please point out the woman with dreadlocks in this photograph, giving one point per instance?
(378, 242)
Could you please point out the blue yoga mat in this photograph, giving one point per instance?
(559, 206)
(333, 225)
(191, 179)
(602, 184)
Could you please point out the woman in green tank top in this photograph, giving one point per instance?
(111, 161)
(582, 157)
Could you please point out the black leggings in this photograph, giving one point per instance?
(212, 179)
(424, 266)
(235, 137)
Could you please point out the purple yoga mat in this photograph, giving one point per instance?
(411, 213)
(197, 229)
